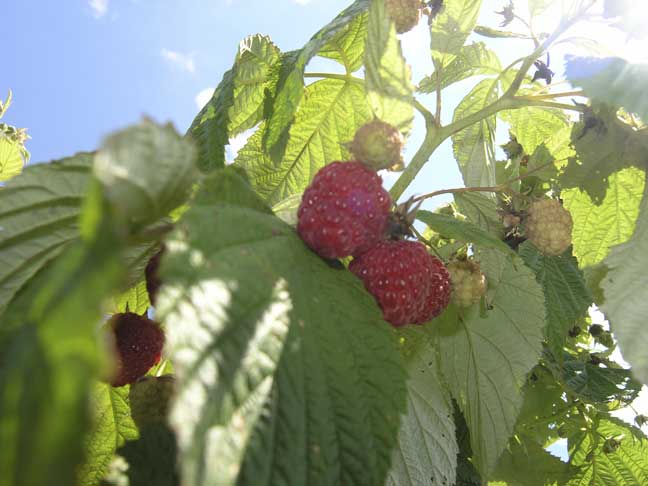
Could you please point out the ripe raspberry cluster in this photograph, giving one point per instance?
(405, 13)
(345, 212)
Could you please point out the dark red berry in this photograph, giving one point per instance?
(151, 273)
(344, 211)
(138, 343)
(410, 285)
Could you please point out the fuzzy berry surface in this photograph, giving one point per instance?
(405, 13)
(410, 285)
(344, 211)
(138, 343)
(548, 226)
(468, 283)
(378, 144)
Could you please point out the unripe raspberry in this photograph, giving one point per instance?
(379, 145)
(405, 13)
(468, 283)
(548, 226)
(150, 398)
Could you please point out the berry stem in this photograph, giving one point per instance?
(504, 187)
(427, 243)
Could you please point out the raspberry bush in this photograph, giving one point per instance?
(306, 343)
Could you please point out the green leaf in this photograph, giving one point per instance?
(596, 384)
(451, 28)
(498, 34)
(11, 159)
(599, 227)
(526, 463)
(135, 299)
(481, 210)
(38, 219)
(472, 60)
(276, 356)
(601, 151)
(534, 125)
(332, 111)
(625, 297)
(485, 359)
(611, 80)
(387, 75)
(473, 147)
(347, 46)
(567, 297)
(49, 357)
(113, 426)
(146, 171)
(556, 148)
(625, 465)
(427, 446)
(290, 85)
(457, 229)
(237, 103)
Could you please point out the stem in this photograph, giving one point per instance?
(427, 242)
(433, 138)
(437, 116)
(553, 95)
(499, 188)
(533, 101)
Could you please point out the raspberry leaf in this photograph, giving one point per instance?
(290, 84)
(427, 446)
(625, 298)
(533, 125)
(567, 297)
(450, 30)
(38, 218)
(11, 158)
(237, 102)
(473, 147)
(624, 464)
(598, 227)
(498, 349)
(454, 228)
(297, 343)
(113, 426)
(387, 75)
(146, 171)
(473, 59)
(331, 112)
(348, 46)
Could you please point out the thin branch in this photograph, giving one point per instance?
(532, 101)
(437, 116)
(499, 188)
(549, 96)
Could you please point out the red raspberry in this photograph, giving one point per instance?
(138, 342)
(344, 211)
(410, 285)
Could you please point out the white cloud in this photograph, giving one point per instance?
(99, 7)
(183, 61)
(203, 97)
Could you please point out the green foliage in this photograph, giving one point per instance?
(624, 287)
(566, 294)
(285, 371)
(306, 339)
(498, 349)
(387, 75)
(13, 154)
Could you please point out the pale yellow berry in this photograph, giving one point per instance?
(468, 283)
(549, 226)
